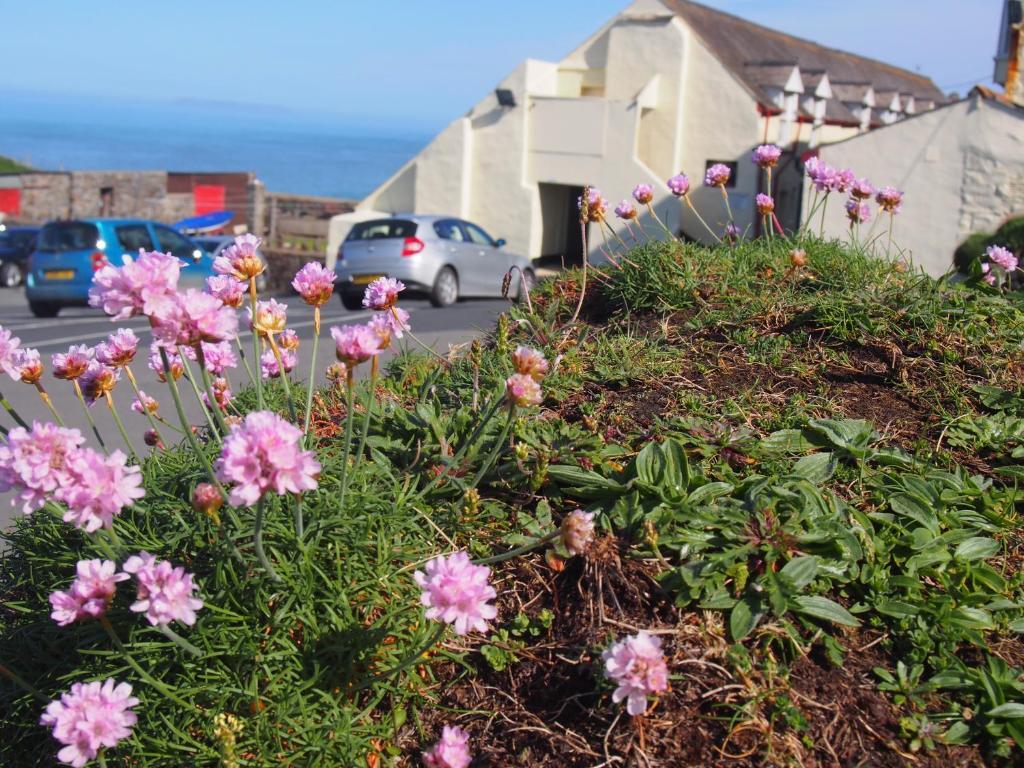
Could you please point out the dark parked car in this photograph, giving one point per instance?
(16, 245)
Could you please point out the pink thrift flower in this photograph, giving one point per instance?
(271, 317)
(732, 232)
(73, 363)
(389, 325)
(144, 403)
(717, 175)
(767, 155)
(35, 463)
(989, 275)
(90, 593)
(844, 181)
(355, 344)
(890, 199)
(577, 532)
(90, 717)
(637, 665)
(241, 259)
(268, 363)
(314, 283)
(822, 176)
(229, 289)
(289, 339)
(26, 365)
(765, 204)
(523, 390)
(142, 286)
(862, 189)
(530, 362)
(219, 357)
(625, 210)
(857, 212)
(263, 454)
(156, 362)
(597, 206)
(451, 751)
(679, 185)
(457, 592)
(8, 346)
(643, 193)
(98, 488)
(382, 293)
(222, 394)
(97, 380)
(164, 592)
(119, 349)
(192, 317)
(1002, 258)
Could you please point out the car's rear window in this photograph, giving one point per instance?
(382, 229)
(62, 236)
(132, 237)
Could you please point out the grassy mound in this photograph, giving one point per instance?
(806, 485)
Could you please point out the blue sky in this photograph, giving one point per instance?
(410, 66)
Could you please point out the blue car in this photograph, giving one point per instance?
(69, 253)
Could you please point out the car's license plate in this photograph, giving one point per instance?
(364, 279)
(60, 274)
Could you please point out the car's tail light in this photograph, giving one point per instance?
(412, 246)
(99, 260)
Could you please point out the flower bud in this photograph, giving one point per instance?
(151, 438)
(207, 499)
(798, 257)
(577, 533)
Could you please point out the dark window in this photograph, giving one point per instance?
(106, 201)
(174, 242)
(449, 230)
(477, 235)
(382, 229)
(62, 236)
(732, 165)
(134, 236)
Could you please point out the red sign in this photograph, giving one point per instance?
(10, 201)
(209, 198)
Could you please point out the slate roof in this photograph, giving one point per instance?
(736, 42)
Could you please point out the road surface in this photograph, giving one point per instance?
(439, 328)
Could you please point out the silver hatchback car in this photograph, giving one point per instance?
(441, 256)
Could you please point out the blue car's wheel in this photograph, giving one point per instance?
(44, 308)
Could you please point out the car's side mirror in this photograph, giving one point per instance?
(499, 243)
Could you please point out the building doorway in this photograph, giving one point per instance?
(561, 239)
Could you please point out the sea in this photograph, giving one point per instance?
(293, 152)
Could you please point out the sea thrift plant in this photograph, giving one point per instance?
(219, 357)
(596, 207)
(97, 381)
(679, 185)
(637, 666)
(144, 403)
(192, 317)
(8, 346)
(765, 204)
(451, 750)
(577, 531)
(271, 317)
(862, 189)
(142, 286)
(165, 592)
(767, 155)
(73, 363)
(89, 594)
(717, 175)
(263, 455)
(382, 293)
(90, 717)
(857, 212)
(119, 349)
(241, 259)
(355, 344)
(530, 362)
(1002, 258)
(889, 199)
(98, 488)
(34, 462)
(643, 194)
(229, 289)
(315, 284)
(523, 390)
(457, 592)
(26, 365)
(625, 210)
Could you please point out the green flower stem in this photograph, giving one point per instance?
(283, 375)
(693, 209)
(120, 426)
(426, 348)
(312, 375)
(258, 542)
(195, 389)
(300, 526)
(21, 683)
(138, 396)
(349, 418)
(6, 405)
(810, 214)
(408, 661)
(45, 397)
(489, 462)
(520, 550)
(208, 386)
(163, 689)
(245, 361)
(370, 401)
(728, 207)
(821, 224)
(176, 396)
(178, 640)
(102, 760)
(257, 379)
(88, 414)
(654, 215)
(888, 248)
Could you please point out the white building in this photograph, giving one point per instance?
(662, 87)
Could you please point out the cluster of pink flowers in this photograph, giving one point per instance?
(355, 344)
(119, 349)
(457, 592)
(99, 488)
(229, 289)
(98, 380)
(577, 531)
(270, 318)
(192, 317)
(382, 293)
(90, 717)
(241, 260)
(766, 155)
(889, 199)
(643, 193)
(269, 367)
(597, 206)
(89, 594)
(73, 363)
(625, 210)
(523, 387)
(142, 286)
(1002, 258)
(637, 666)
(165, 592)
(451, 750)
(857, 211)
(263, 454)
(717, 175)
(765, 204)
(679, 185)
(9, 344)
(314, 283)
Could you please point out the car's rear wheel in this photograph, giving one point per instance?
(44, 308)
(446, 288)
(11, 274)
(530, 279)
(351, 301)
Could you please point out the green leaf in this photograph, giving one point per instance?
(897, 608)
(1017, 625)
(586, 483)
(823, 608)
(800, 570)
(1010, 711)
(709, 492)
(976, 548)
(744, 617)
(787, 441)
(816, 468)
